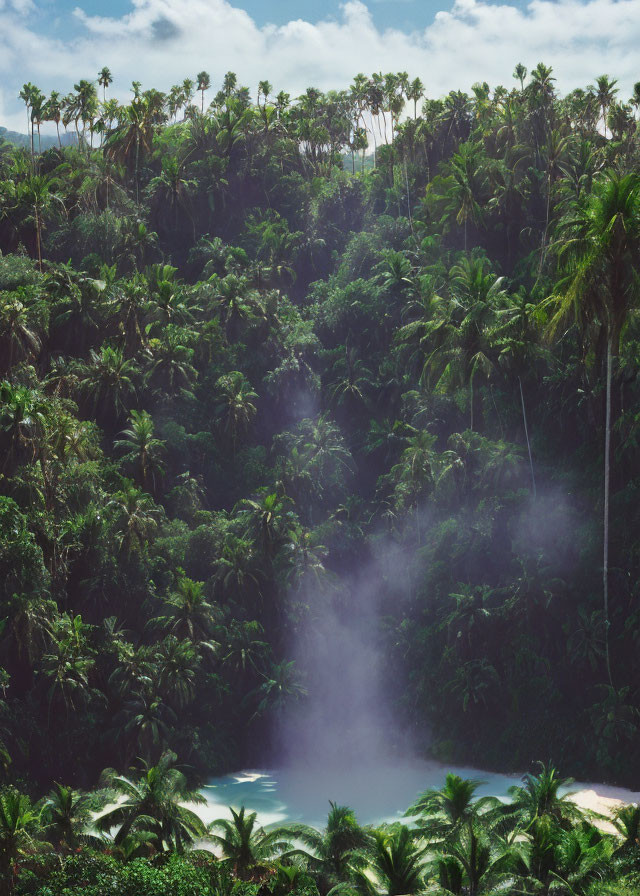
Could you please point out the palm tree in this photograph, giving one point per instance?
(465, 349)
(599, 255)
(245, 846)
(334, 853)
(442, 813)
(154, 802)
(188, 613)
(108, 381)
(177, 664)
(169, 361)
(37, 194)
(553, 154)
(27, 95)
(65, 814)
(397, 862)
(281, 687)
(204, 83)
(53, 112)
(627, 824)
(605, 91)
(19, 336)
(539, 796)
(236, 404)
(483, 863)
(142, 448)
(415, 92)
(171, 191)
(68, 663)
(135, 519)
(19, 829)
(131, 140)
(105, 78)
(238, 571)
(463, 186)
(520, 73)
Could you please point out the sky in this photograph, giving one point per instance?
(449, 44)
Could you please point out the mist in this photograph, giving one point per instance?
(348, 719)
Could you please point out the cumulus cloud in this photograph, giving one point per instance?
(159, 42)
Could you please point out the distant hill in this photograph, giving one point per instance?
(47, 141)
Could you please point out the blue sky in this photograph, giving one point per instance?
(406, 14)
(449, 44)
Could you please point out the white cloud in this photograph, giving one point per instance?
(159, 42)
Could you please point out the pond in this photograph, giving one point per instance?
(380, 792)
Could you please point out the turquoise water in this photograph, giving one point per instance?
(380, 792)
(376, 792)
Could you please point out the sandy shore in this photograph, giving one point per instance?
(604, 801)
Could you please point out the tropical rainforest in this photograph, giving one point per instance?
(246, 346)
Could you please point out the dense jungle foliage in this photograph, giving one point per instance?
(240, 356)
(458, 844)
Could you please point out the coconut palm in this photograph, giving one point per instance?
(442, 813)
(539, 796)
(107, 379)
(203, 83)
(397, 861)
(105, 78)
(187, 612)
(19, 330)
(135, 519)
(605, 91)
(599, 254)
(236, 404)
(154, 802)
(244, 845)
(142, 449)
(475, 863)
(65, 814)
(334, 853)
(36, 196)
(20, 827)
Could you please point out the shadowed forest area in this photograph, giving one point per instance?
(248, 347)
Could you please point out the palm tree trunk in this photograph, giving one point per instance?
(38, 239)
(607, 477)
(526, 432)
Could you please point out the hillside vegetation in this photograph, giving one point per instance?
(237, 362)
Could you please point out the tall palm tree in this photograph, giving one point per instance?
(415, 93)
(605, 91)
(53, 112)
(520, 73)
(105, 78)
(37, 194)
(203, 83)
(599, 255)
(27, 94)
